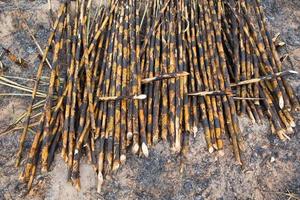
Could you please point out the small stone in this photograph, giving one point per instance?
(272, 159)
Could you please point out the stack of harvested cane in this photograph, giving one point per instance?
(133, 73)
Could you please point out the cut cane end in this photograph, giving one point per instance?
(281, 134)
(288, 108)
(135, 148)
(145, 150)
(44, 169)
(22, 177)
(129, 135)
(259, 122)
(292, 124)
(293, 72)
(155, 139)
(220, 144)
(66, 159)
(273, 131)
(122, 159)
(29, 185)
(238, 160)
(281, 102)
(183, 73)
(181, 169)
(195, 130)
(286, 136)
(290, 130)
(177, 148)
(215, 146)
(77, 185)
(210, 149)
(116, 165)
(256, 103)
(297, 108)
(239, 163)
(140, 97)
(64, 156)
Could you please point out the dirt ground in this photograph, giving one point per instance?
(272, 169)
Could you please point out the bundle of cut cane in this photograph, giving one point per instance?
(256, 67)
(133, 73)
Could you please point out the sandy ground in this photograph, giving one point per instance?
(272, 169)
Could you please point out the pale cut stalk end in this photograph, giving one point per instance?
(145, 150)
(129, 135)
(116, 165)
(140, 97)
(195, 131)
(122, 159)
(210, 149)
(286, 136)
(292, 124)
(290, 130)
(281, 102)
(135, 148)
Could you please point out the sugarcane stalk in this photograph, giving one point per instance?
(72, 80)
(124, 89)
(171, 82)
(141, 114)
(48, 104)
(164, 85)
(261, 52)
(156, 86)
(271, 51)
(208, 122)
(112, 91)
(228, 103)
(103, 106)
(75, 169)
(183, 86)
(39, 73)
(118, 98)
(243, 62)
(165, 76)
(264, 78)
(117, 134)
(149, 87)
(55, 142)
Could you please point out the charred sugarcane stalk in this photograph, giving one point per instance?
(39, 73)
(133, 77)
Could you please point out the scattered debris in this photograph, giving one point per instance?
(17, 60)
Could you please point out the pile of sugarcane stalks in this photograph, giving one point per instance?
(253, 55)
(126, 75)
